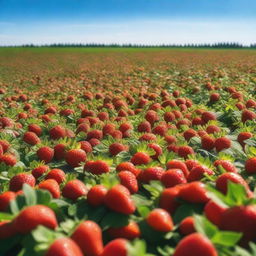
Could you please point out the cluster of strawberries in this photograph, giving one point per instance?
(97, 175)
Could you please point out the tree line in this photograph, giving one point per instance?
(228, 45)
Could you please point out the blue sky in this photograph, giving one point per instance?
(127, 21)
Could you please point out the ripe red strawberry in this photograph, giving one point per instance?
(185, 151)
(116, 247)
(188, 134)
(84, 127)
(39, 171)
(248, 115)
(130, 232)
(222, 181)
(187, 226)
(191, 163)
(7, 229)
(214, 97)
(118, 199)
(116, 148)
(173, 177)
(45, 154)
(151, 173)
(35, 128)
(250, 103)
(96, 195)
(8, 159)
(33, 216)
(94, 134)
(129, 180)
(59, 151)
(88, 236)
(140, 158)
(75, 157)
(128, 166)
(151, 116)
(212, 129)
(213, 212)
(194, 192)
(195, 244)
(250, 166)
(56, 174)
(207, 142)
(5, 145)
(158, 150)
(227, 165)
(57, 132)
(240, 219)
(97, 167)
(18, 180)
(64, 246)
(108, 128)
(144, 126)
(86, 146)
(160, 220)
(74, 189)
(168, 199)
(31, 138)
(242, 136)
(177, 164)
(160, 130)
(5, 199)
(208, 116)
(198, 173)
(222, 143)
(169, 117)
(52, 186)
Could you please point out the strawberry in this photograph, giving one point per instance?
(64, 246)
(194, 192)
(31, 138)
(88, 236)
(242, 136)
(208, 116)
(5, 145)
(5, 199)
(116, 148)
(151, 116)
(39, 171)
(227, 165)
(45, 154)
(7, 229)
(248, 115)
(198, 173)
(173, 177)
(57, 132)
(75, 157)
(151, 173)
(59, 151)
(222, 143)
(97, 167)
(108, 129)
(129, 232)
(211, 129)
(169, 117)
(191, 163)
(128, 180)
(250, 166)
(56, 174)
(116, 247)
(128, 166)
(187, 226)
(52, 186)
(18, 180)
(144, 126)
(213, 212)
(74, 189)
(158, 150)
(94, 134)
(240, 219)
(214, 97)
(33, 216)
(160, 130)
(168, 199)
(177, 164)
(160, 220)
(84, 127)
(86, 146)
(118, 199)
(222, 181)
(96, 195)
(195, 244)
(8, 159)
(140, 158)
(185, 151)
(36, 129)
(188, 134)
(207, 142)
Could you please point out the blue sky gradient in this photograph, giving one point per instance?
(127, 21)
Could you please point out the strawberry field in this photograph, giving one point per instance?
(127, 152)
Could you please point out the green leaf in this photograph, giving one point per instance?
(226, 238)
(30, 195)
(6, 216)
(43, 196)
(114, 219)
(205, 227)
